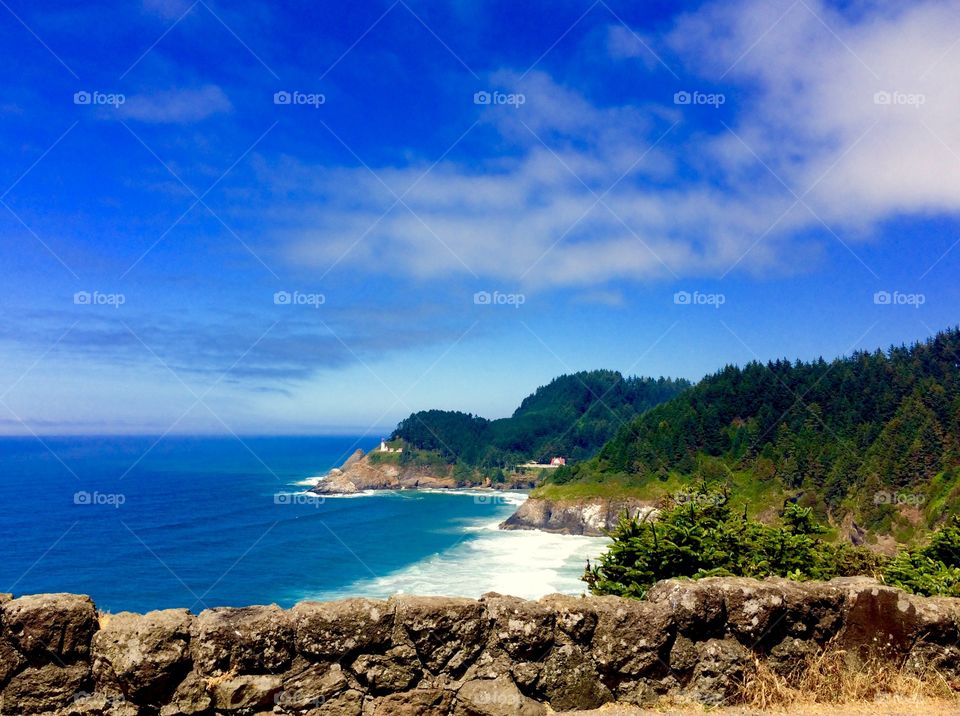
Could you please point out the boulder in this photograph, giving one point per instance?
(249, 640)
(697, 605)
(631, 637)
(791, 655)
(569, 680)
(576, 617)
(756, 611)
(246, 693)
(47, 627)
(418, 702)
(683, 655)
(585, 516)
(340, 629)
(43, 689)
(885, 622)
(349, 703)
(11, 660)
(447, 633)
(721, 667)
(143, 657)
(190, 698)
(494, 697)
(312, 687)
(397, 670)
(521, 628)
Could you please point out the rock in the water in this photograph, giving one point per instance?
(588, 516)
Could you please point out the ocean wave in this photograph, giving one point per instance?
(527, 564)
(504, 497)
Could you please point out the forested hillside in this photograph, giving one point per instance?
(873, 434)
(572, 416)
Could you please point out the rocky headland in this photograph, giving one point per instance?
(593, 516)
(362, 472)
(439, 656)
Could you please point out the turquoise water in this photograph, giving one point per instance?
(201, 522)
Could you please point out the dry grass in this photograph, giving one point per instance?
(832, 678)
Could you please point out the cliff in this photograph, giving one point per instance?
(364, 472)
(588, 516)
(438, 656)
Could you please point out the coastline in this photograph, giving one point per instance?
(528, 564)
(361, 475)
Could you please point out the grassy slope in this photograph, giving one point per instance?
(759, 497)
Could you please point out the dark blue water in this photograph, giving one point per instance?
(196, 522)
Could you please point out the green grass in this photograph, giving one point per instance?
(943, 497)
(382, 458)
(759, 497)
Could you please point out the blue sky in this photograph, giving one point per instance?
(657, 188)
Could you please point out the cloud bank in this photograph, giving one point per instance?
(830, 123)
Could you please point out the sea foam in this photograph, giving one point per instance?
(527, 564)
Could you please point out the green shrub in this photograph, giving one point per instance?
(699, 535)
(931, 570)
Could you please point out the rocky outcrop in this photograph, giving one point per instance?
(363, 472)
(589, 516)
(438, 656)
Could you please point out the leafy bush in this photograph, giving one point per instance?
(932, 570)
(700, 535)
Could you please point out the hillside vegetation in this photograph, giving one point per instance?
(572, 416)
(875, 436)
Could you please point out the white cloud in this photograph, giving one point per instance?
(812, 114)
(177, 106)
(702, 201)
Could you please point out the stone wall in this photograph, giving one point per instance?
(437, 655)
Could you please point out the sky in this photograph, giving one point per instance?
(313, 217)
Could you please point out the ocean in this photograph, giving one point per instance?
(140, 523)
